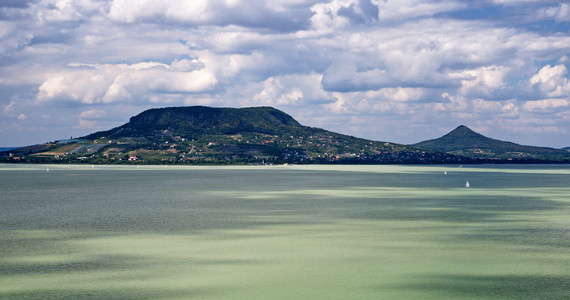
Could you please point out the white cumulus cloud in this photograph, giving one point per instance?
(112, 83)
(552, 81)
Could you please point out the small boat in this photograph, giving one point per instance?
(467, 184)
(444, 172)
(47, 170)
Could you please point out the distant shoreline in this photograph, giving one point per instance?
(337, 163)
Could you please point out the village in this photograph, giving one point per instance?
(164, 147)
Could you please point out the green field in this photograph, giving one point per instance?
(284, 232)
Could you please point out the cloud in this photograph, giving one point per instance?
(115, 83)
(427, 54)
(50, 11)
(362, 11)
(285, 16)
(385, 101)
(12, 38)
(292, 90)
(339, 14)
(275, 93)
(402, 10)
(550, 81)
(325, 16)
(515, 2)
(93, 114)
(400, 94)
(90, 118)
(15, 3)
(131, 11)
(9, 107)
(560, 13)
(546, 105)
(485, 82)
(354, 66)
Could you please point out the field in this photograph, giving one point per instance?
(284, 232)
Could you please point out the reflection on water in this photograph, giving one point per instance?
(327, 232)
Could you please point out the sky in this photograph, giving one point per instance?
(401, 71)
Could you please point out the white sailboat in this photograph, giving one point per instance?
(444, 172)
(467, 184)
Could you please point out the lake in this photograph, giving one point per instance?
(284, 232)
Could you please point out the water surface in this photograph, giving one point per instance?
(284, 232)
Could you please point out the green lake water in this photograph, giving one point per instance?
(284, 232)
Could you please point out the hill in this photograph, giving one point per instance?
(466, 142)
(199, 134)
(197, 121)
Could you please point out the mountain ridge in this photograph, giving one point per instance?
(253, 135)
(201, 134)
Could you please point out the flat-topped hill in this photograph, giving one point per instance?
(196, 121)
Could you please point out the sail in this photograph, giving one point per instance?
(467, 184)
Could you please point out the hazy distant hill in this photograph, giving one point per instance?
(201, 134)
(466, 142)
(2, 149)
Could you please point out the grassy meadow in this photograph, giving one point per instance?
(284, 232)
